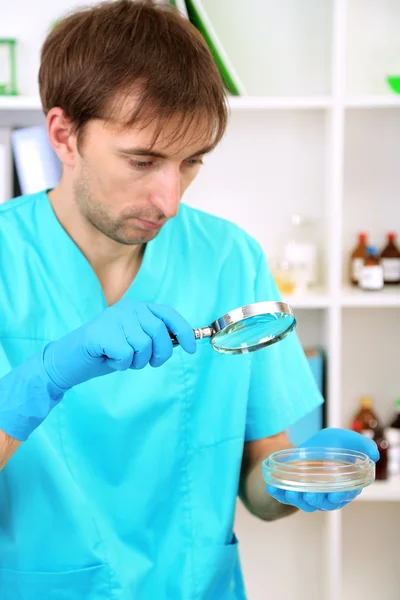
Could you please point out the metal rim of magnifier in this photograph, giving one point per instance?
(245, 312)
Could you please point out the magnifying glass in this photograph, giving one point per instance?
(248, 328)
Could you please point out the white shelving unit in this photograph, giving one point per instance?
(246, 103)
(381, 491)
(20, 103)
(320, 135)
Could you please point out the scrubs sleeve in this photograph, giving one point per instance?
(282, 386)
(5, 366)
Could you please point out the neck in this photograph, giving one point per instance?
(115, 264)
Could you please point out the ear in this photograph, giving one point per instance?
(62, 136)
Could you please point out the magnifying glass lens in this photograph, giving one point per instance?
(253, 333)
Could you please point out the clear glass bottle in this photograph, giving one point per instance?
(300, 253)
(283, 276)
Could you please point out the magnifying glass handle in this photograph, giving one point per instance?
(199, 334)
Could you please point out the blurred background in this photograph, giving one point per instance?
(309, 167)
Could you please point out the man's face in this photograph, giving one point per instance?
(127, 191)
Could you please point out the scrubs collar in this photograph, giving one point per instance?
(76, 275)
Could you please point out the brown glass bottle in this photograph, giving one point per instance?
(365, 421)
(357, 258)
(381, 468)
(390, 260)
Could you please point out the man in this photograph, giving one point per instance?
(134, 452)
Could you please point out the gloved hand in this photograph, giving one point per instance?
(128, 335)
(327, 438)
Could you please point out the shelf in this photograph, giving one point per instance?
(350, 298)
(20, 103)
(359, 298)
(391, 100)
(235, 103)
(317, 298)
(279, 103)
(384, 491)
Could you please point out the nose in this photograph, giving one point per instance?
(168, 195)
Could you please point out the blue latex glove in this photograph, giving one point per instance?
(327, 438)
(128, 335)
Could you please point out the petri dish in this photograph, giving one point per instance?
(323, 470)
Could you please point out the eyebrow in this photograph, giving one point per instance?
(148, 152)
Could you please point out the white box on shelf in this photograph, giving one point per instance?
(36, 163)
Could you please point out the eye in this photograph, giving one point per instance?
(194, 162)
(140, 164)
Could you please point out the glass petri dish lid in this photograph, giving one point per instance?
(323, 470)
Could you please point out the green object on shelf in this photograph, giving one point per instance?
(8, 64)
(199, 17)
(180, 7)
(394, 82)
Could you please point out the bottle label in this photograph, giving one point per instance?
(393, 437)
(368, 433)
(394, 462)
(371, 277)
(357, 265)
(391, 269)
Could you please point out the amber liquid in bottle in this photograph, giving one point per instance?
(357, 258)
(365, 421)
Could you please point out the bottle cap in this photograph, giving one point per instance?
(397, 403)
(372, 251)
(362, 236)
(391, 236)
(366, 401)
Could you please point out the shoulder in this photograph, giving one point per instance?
(16, 215)
(19, 204)
(19, 219)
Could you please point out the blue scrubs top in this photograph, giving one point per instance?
(127, 491)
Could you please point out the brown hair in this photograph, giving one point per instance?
(97, 57)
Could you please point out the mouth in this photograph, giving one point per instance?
(148, 225)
